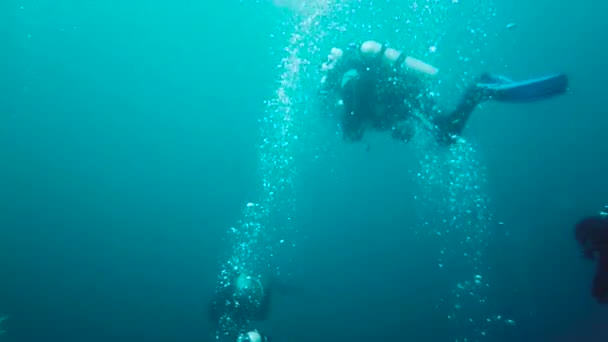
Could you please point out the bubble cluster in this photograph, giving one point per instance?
(265, 224)
(285, 116)
(459, 217)
(249, 255)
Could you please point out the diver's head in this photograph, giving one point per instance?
(590, 233)
(588, 228)
(249, 287)
(252, 336)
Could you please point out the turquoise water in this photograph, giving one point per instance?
(132, 138)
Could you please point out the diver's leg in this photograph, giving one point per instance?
(357, 108)
(403, 130)
(600, 282)
(352, 127)
(351, 121)
(501, 89)
(451, 125)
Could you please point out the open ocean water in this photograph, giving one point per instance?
(147, 146)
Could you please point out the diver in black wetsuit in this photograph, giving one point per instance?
(246, 299)
(378, 87)
(592, 235)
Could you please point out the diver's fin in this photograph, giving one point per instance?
(501, 89)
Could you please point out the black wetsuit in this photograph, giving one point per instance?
(389, 98)
(592, 234)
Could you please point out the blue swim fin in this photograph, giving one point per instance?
(501, 89)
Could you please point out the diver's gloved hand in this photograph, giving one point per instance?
(334, 56)
(330, 79)
(404, 130)
(353, 135)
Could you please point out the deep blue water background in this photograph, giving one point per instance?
(128, 142)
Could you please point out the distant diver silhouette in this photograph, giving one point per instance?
(592, 235)
(247, 299)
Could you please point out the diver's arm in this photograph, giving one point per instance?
(339, 63)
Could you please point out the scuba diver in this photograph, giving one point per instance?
(375, 86)
(592, 235)
(244, 300)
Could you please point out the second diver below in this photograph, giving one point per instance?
(378, 87)
(592, 235)
(245, 300)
